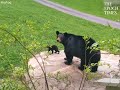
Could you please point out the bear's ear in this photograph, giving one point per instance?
(57, 32)
(65, 34)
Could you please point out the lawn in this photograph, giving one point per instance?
(95, 7)
(34, 25)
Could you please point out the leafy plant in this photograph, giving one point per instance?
(59, 76)
(11, 84)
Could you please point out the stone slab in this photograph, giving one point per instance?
(110, 82)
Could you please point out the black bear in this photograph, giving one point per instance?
(80, 47)
(53, 48)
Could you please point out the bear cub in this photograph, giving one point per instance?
(78, 46)
(53, 48)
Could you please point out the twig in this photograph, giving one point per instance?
(33, 56)
(83, 81)
(24, 83)
(45, 73)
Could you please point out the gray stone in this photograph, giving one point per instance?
(53, 81)
(62, 86)
(70, 87)
(109, 81)
(75, 75)
(55, 88)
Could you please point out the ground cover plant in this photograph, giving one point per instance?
(94, 7)
(34, 25)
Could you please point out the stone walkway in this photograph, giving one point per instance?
(64, 77)
(79, 14)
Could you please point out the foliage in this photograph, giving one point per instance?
(10, 84)
(35, 28)
(14, 82)
(59, 76)
(113, 44)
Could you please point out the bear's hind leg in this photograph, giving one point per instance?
(83, 64)
(69, 59)
(94, 68)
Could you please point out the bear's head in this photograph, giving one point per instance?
(61, 36)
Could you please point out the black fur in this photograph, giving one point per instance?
(76, 46)
(53, 48)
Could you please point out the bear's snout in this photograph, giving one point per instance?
(58, 40)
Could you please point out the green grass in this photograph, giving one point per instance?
(34, 24)
(95, 7)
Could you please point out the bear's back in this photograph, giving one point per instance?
(77, 44)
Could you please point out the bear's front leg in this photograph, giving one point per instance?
(52, 51)
(68, 59)
(65, 55)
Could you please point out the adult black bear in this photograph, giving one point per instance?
(53, 48)
(79, 47)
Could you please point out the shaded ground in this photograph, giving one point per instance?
(63, 77)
